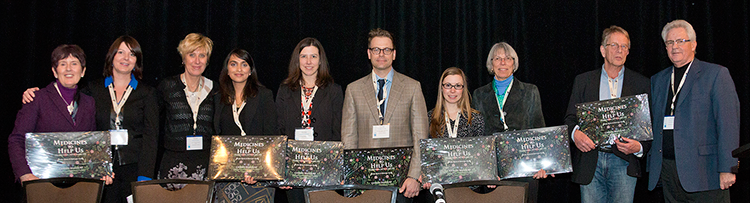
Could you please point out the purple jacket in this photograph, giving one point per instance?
(47, 113)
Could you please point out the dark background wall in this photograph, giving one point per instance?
(555, 41)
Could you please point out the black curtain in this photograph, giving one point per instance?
(555, 41)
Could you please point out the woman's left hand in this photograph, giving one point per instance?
(108, 179)
(493, 186)
(249, 180)
(426, 185)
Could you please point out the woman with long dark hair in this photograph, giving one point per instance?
(308, 99)
(309, 103)
(243, 107)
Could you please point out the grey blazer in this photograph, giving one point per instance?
(406, 113)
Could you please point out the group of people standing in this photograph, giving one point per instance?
(386, 109)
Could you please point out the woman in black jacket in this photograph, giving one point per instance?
(243, 107)
(308, 100)
(309, 103)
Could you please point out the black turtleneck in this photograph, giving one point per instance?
(668, 144)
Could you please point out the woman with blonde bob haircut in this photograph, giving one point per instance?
(188, 112)
(454, 105)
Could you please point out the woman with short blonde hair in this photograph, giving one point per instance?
(188, 111)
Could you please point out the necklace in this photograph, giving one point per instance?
(197, 86)
(70, 106)
(193, 98)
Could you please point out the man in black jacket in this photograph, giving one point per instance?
(606, 173)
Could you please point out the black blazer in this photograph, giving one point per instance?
(523, 108)
(257, 118)
(140, 116)
(326, 112)
(586, 89)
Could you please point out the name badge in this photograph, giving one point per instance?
(118, 137)
(304, 134)
(668, 122)
(194, 142)
(380, 131)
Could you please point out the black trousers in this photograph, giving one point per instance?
(673, 191)
(120, 187)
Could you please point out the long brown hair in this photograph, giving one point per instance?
(134, 47)
(437, 121)
(295, 74)
(225, 82)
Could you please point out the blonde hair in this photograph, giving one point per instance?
(437, 121)
(194, 41)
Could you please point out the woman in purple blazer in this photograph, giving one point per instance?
(59, 107)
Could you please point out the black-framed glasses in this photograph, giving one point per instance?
(377, 50)
(501, 59)
(615, 46)
(456, 86)
(679, 42)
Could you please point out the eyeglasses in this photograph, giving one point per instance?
(501, 59)
(456, 86)
(679, 42)
(615, 46)
(376, 50)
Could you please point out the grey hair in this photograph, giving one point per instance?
(509, 51)
(679, 23)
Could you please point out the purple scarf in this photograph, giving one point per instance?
(67, 93)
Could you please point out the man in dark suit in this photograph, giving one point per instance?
(606, 173)
(386, 109)
(696, 123)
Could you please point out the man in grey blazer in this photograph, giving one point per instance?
(696, 123)
(386, 109)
